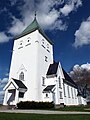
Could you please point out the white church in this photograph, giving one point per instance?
(35, 76)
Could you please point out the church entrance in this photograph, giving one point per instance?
(11, 96)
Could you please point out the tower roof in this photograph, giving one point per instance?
(31, 28)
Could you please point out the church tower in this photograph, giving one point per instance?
(32, 55)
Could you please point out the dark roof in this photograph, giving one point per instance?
(20, 84)
(48, 88)
(52, 68)
(32, 27)
(68, 78)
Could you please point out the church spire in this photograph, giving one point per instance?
(35, 15)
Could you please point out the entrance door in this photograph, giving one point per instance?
(11, 97)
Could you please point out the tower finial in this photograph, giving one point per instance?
(35, 14)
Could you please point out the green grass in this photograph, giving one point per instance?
(17, 116)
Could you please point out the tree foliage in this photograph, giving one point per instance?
(81, 76)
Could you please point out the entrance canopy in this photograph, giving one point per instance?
(15, 84)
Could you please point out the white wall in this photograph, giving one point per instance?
(29, 57)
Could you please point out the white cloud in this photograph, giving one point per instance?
(4, 37)
(70, 6)
(80, 67)
(2, 84)
(17, 27)
(47, 15)
(82, 35)
(4, 80)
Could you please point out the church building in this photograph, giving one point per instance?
(35, 76)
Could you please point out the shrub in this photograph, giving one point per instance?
(35, 105)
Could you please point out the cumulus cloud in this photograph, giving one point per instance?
(77, 69)
(4, 37)
(82, 35)
(1, 96)
(2, 84)
(70, 6)
(48, 16)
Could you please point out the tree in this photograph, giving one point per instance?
(81, 76)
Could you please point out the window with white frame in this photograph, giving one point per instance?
(48, 48)
(75, 92)
(59, 81)
(21, 76)
(20, 45)
(64, 90)
(28, 41)
(47, 95)
(43, 43)
(60, 95)
(72, 92)
(43, 81)
(21, 94)
(46, 58)
(68, 91)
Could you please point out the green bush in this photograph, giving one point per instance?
(35, 105)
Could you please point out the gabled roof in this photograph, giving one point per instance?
(20, 84)
(52, 68)
(31, 28)
(68, 79)
(48, 88)
(53, 71)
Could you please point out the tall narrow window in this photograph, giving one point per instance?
(68, 91)
(60, 95)
(75, 92)
(64, 90)
(46, 58)
(43, 43)
(59, 82)
(43, 81)
(21, 76)
(72, 92)
(48, 48)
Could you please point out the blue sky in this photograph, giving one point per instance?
(66, 23)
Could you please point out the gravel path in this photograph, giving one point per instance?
(43, 112)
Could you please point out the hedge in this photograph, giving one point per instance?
(35, 105)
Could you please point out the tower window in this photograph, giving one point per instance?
(21, 76)
(46, 94)
(48, 48)
(43, 43)
(21, 43)
(46, 58)
(43, 81)
(28, 39)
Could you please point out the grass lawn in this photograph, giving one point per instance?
(17, 116)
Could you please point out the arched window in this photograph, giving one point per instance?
(21, 76)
